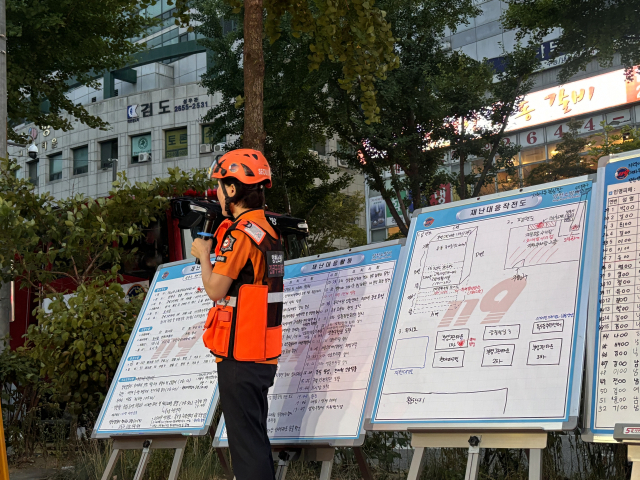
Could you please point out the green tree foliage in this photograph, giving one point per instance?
(303, 183)
(354, 34)
(78, 344)
(20, 392)
(590, 29)
(334, 219)
(423, 104)
(569, 160)
(479, 104)
(608, 142)
(51, 42)
(409, 108)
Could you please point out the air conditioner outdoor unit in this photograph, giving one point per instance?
(314, 153)
(205, 148)
(144, 157)
(219, 147)
(343, 164)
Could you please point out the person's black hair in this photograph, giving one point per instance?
(247, 196)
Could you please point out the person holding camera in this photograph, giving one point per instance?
(244, 328)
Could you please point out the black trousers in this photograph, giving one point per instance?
(243, 396)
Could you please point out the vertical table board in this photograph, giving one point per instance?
(166, 382)
(613, 336)
(488, 331)
(333, 315)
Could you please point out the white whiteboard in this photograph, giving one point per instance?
(334, 307)
(167, 380)
(488, 322)
(613, 360)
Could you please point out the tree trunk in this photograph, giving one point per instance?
(253, 64)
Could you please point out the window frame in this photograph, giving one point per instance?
(51, 159)
(166, 133)
(73, 157)
(111, 142)
(134, 158)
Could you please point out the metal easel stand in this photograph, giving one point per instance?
(533, 441)
(319, 454)
(287, 454)
(146, 444)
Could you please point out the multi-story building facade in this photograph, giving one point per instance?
(597, 95)
(154, 108)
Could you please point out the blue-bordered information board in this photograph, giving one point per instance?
(486, 324)
(167, 380)
(334, 308)
(615, 333)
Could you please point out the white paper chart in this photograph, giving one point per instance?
(333, 313)
(616, 379)
(167, 380)
(486, 323)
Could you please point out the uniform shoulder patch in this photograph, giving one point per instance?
(221, 259)
(227, 243)
(253, 230)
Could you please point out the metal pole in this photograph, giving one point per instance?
(5, 290)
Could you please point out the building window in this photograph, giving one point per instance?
(140, 144)
(531, 155)
(321, 148)
(80, 160)
(55, 167)
(32, 170)
(209, 137)
(108, 153)
(176, 143)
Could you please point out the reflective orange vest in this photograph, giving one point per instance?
(247, 324)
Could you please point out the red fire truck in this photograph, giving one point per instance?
(168, 240)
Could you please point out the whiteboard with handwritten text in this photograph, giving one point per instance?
(166, 382)
(333, 313)
(487, 329)
(613, 338)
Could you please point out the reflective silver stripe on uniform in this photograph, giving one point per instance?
(274, 297)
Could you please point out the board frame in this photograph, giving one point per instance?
(588, 433)
(173, 431)
(570, 422)
(341, 442)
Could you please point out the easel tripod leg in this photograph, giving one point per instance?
(472, 466)
(417, 464)
(177, 461)
(226, 469)
(535, 464)
(111, 465)
(283, 465)
(365, 471)
(142, 465)
(325, 472)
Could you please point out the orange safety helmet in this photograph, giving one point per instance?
(244, 164)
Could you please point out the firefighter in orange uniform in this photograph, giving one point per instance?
(243, 330)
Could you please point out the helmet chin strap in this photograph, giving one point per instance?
(226, 200)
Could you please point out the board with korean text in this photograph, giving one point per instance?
(613, 336)
(333, 314)
(166, 382)
(489, 324)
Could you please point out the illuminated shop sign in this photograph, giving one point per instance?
(576, 98)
